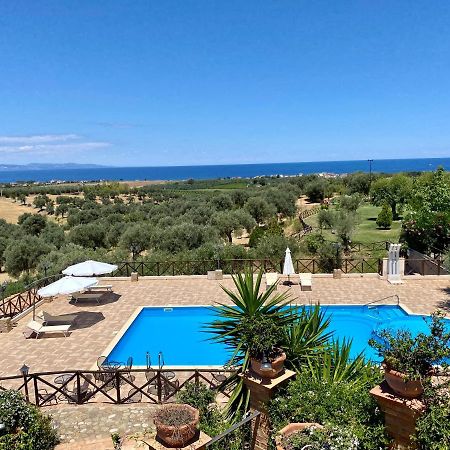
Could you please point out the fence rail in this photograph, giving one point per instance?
(12, 306)
(233, 266)
(121, 386)
(18, 303)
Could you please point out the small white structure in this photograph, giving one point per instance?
(394, 272)
(89, 268)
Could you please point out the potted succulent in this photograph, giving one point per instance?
(409, 360)
(262, 338)
(177, 424)
(312, 436)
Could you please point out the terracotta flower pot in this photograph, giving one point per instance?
(291, 429)
(277, 366)
(403, 387)
(176, 436)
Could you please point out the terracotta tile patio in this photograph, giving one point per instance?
(97, 325)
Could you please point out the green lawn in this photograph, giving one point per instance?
(366, 230)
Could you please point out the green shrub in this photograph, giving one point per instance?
(414, 355)
(25, 426)
(330, 257)
(384, 219)
(336, 438)
(313, 242)
(337, 404)
(255, 236)
(212, 421)
(433, 428)
(197, 395)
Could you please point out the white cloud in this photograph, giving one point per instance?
(38, 138)
(42, 144)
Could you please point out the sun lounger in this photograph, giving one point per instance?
(39, 329)
(271, 279)
(306, 281)
(88, 296)
(101, 287)
(49, 320)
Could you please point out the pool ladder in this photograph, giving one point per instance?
(161, 361)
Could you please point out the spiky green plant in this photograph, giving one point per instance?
(249, 302)
(335, 365)
(307, 337)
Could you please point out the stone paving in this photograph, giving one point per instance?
(83, 425)
(96, 325)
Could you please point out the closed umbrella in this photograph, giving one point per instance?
(66, 285)
(89, 268)
(288, 267)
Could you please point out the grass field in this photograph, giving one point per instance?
(366, 230)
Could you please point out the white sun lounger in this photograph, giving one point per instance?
(39, 329)
(87, 296)
(306, 281)
(271, 279)
(101, 287)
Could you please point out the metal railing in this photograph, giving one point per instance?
(379, 300)
(248, 434)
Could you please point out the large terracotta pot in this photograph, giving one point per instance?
(181, 435)
(403, 387)
(277, 366)
(290, 429)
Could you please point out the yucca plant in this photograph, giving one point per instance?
(335, 365)
(307, 337)
(248, 304)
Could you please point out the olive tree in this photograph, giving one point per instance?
(260, 209)
(23, 254)
(229, 222)
(136, 239)
(395, 191)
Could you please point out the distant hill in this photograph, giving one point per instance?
(47, 166)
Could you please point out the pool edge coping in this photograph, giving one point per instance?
(115, 340)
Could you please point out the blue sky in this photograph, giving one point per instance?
(214, 82)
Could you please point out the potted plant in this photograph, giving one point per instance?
(262, 338)
(177, 424)
(312, 436)
(409, 360)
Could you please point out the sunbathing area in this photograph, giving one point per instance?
(94, 325)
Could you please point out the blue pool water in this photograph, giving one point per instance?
(178, 333)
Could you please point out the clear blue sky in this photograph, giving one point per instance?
(175, 82)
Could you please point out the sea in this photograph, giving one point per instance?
(222, 171)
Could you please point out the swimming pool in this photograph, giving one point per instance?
(177, 333)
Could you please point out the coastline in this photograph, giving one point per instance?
(158, 175)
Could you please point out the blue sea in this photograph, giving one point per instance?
(222, 171)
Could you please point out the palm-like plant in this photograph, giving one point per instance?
(248, 303)
(335, 365)
(307, 337)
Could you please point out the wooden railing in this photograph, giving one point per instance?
(233, 266)
(309, 212)
(18, 303)
(113, 386)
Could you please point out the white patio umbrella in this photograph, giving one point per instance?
(89, 268)
(288, 267)
(66, 285)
